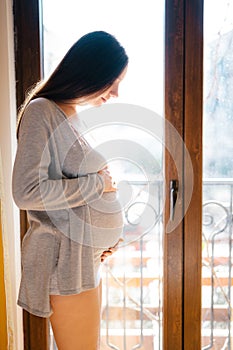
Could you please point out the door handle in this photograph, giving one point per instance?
(173, 197)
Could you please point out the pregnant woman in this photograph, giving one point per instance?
(75, 220)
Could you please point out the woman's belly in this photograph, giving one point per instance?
(106, 220)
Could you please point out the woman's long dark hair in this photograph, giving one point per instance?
(92, 64)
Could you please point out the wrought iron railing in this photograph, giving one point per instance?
(217, 264)
(132, 305)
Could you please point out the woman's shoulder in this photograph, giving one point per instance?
(41, 104)
(41, 114)
(43, 109)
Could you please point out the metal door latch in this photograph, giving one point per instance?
(173, 197)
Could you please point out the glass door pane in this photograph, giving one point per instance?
(132, 277)
(218, 176)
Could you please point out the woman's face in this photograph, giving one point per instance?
(112, 91)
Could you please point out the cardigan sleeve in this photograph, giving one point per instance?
(32, 187)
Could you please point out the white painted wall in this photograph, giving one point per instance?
(7, 153)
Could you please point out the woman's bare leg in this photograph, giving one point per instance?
(76, 320)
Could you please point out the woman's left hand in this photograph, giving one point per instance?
(110, 250)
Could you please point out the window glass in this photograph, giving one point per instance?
(218, 175)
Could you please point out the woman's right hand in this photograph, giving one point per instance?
(110, 250)
(108, 184)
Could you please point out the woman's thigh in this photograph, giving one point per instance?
(76, 320)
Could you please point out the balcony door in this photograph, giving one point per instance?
(152, 285)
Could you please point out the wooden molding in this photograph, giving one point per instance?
(27, 28)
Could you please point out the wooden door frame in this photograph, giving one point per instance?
(27, 28)
(193, 112)
(174, 114)
(183, 108)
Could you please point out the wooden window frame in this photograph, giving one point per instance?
(28, 53)
(183, 109)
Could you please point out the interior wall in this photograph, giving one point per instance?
(3, 319)
(10, 214)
